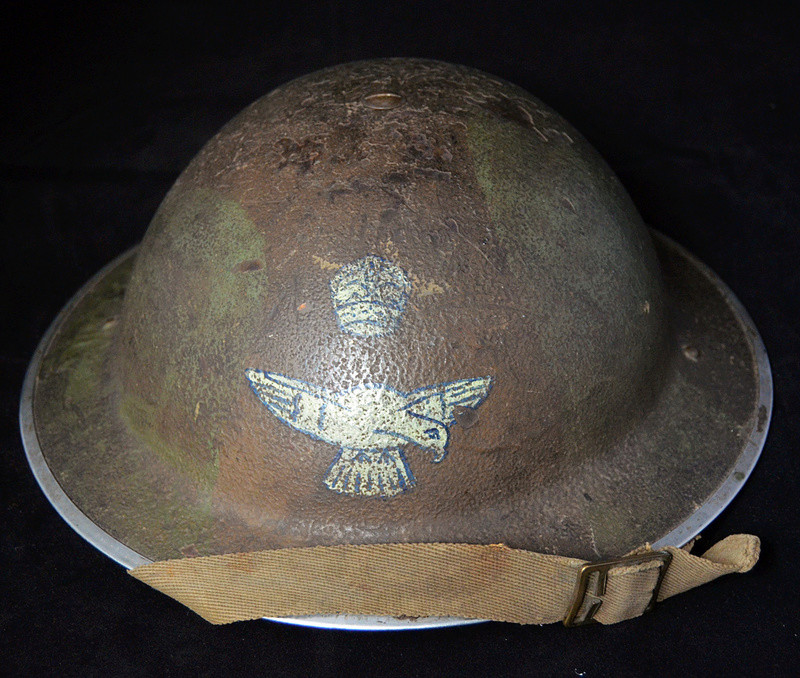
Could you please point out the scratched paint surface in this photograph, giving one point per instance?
(371, 424)
(369, 296)
(525, 263)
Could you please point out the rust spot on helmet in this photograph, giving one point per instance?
(466, 417)
(190, 551)
(249, 266)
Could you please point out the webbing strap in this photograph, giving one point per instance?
(423, 580)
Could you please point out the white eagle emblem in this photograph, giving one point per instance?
(370, 423)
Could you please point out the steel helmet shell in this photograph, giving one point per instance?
(375, 267)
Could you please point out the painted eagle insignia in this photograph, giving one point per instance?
(371, 424)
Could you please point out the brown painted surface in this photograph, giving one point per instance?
(527, 263)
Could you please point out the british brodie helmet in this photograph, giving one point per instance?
(403, 311)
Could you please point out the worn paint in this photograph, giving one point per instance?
(369, 296)
(201, 252)
(94, 458)
(542, 274)
(589, 331)
(324, 264)
(371, 423)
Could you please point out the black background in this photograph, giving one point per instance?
(695, 105)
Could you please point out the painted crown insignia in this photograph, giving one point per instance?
(369, 296)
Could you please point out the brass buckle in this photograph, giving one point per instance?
(602, 568)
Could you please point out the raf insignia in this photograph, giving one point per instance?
(371, 424)
(369, 296)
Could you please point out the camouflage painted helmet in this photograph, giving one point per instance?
(397, 301)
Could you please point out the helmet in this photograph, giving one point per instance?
(396, 301)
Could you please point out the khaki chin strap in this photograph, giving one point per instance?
(431, 580)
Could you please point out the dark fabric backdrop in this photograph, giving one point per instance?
(695, 105)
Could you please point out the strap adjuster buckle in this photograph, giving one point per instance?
(602, 569)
